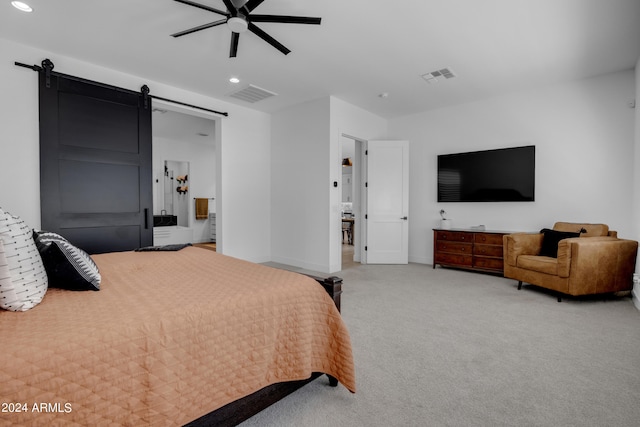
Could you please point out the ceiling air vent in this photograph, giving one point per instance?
(252, 94)
(435, 76)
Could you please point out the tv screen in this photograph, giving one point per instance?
(502, 175)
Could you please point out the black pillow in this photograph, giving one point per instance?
(551, 239)
(67, 266)
(164, 248)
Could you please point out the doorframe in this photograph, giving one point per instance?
(359, 197)
(217, 119)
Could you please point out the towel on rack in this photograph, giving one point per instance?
(202, 208)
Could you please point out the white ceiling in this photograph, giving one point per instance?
(188, 128)
(363, 48)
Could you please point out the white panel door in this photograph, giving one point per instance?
(387, 202)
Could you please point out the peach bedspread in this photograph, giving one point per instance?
(170, 337)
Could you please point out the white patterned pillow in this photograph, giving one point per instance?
(23, 279)
(68, 267)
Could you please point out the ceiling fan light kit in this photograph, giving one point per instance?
(237, 24)
(239, 20)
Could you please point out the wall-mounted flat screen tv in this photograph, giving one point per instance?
(502, 175)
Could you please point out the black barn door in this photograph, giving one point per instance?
(95, 164)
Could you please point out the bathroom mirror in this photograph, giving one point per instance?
(176, 195)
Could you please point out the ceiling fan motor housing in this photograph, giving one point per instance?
(237, 24)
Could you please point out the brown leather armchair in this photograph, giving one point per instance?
(597, 262)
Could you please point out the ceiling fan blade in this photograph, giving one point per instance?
(230, 7)
(201, 6)
(199, 27)
(266, 37)
(233, 51)
(285, 19)
(252, 4)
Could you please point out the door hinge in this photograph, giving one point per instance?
(366, 216)
(365, 248)
(366, 184)
(366, 152)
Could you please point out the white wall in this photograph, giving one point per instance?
(306, 161)
(243, 169)
(300, 177)
(584, 137)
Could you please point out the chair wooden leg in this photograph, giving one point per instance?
(519, 284)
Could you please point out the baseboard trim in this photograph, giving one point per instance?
(635, 299)
(420, 260)
(301, 264)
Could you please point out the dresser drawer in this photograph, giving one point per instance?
(488, 250)
(454, 236)
(454, 247)
(454, 259)
(489, 239)
(488, 263)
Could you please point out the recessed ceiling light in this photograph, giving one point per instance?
(21, 6)
(234, 80)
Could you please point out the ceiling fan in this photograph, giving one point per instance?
(239, 19)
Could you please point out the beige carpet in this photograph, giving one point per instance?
(451, 348)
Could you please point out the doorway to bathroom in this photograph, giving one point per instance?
(185, 175)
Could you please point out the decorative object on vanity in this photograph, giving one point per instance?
(501, 175)
(572, 259)
(164, 220)
(239, 19)
(445, 223)
(468, 249)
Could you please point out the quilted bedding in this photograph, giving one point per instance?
(170, 337)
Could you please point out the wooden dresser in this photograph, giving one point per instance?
(469, 249)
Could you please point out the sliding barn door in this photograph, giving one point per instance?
(95, 164)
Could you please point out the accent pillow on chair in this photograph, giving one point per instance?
(23, 279)
(68, 266)
(551, 239)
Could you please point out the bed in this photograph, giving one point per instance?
(171, 338)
